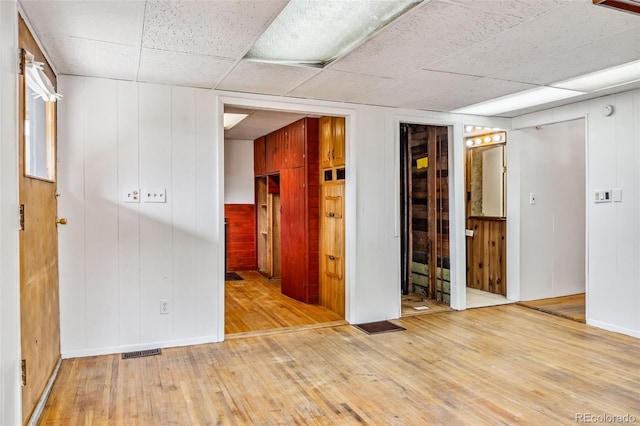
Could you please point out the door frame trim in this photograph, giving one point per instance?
(261, 102)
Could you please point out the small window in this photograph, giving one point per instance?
(39, 122)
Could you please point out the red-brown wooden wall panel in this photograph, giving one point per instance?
(241, 237)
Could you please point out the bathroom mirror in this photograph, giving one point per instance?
(486, 184)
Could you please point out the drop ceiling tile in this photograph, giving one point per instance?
(215, 28)
(568, 27)
(590, 57)
(114, 22)
(413, 88)
(337, 86)
(468, 93)
(182, 69)
(424, 35)
(270, 79)
(523, 9)
(79, 56)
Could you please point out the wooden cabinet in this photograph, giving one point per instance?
(332, 142)
(292, 156)
(274, 152)
(332, 262)
(332, 247)
(259, 156)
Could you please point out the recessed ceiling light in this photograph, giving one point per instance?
(604, 79)
(516, 101)
(231, 120)
(314, 33)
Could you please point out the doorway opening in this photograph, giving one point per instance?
(553, 217)
(285, 179)
(424, 219)
(486, 216)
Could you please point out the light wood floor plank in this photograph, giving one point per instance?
(571, 307)
(499, 365)
(257, 303)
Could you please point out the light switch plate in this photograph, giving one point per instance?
(132, 195)
(532, 198)
(154, 195)
(602, 196)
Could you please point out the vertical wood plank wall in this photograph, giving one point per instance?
(241, 237)
(429, 211)
(488, 249)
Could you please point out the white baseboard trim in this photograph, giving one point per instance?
(37, 412)
(617, 329)
(80, 353)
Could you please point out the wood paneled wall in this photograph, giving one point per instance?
(241, 236)
(488, 249)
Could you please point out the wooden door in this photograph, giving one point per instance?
(295, 144)
(39, 304)
(293, 233)
(259, 156)
(332, 261)
(337, 152)
(326, 141)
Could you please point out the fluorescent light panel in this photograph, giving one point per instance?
(515, 101)
(314, 33)
(604, 79)
(230, 120)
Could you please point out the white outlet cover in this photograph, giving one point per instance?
(154, 195)
(131, 195)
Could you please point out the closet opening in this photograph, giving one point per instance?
(424, 219)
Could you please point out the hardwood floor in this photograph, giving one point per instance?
(256, 304)
(570, 307)
(410, 302)
(500, 365)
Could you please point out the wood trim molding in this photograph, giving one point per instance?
(630, 6)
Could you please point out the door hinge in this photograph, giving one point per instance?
(20, 61)
(23, 371)
(22, 217)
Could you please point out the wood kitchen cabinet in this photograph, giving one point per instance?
(332, 142)
(259, 156)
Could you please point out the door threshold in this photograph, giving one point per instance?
(273, 331)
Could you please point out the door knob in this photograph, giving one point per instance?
(61, 220)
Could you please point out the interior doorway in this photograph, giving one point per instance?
(288, 226)
(424, 218)
(486, 215)
(551, 198)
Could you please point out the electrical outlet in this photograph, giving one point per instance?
(164, 306)
(154, 195)
(132, 195)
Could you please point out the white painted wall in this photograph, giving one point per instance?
(118, 260)
(613, 230)
(10, 391)
(238, 172)
(552, 231)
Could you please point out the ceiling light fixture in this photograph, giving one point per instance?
(231, 120)
(603, 79)
(519, 100)
(314, 33)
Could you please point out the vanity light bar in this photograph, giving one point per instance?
(486, 139)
